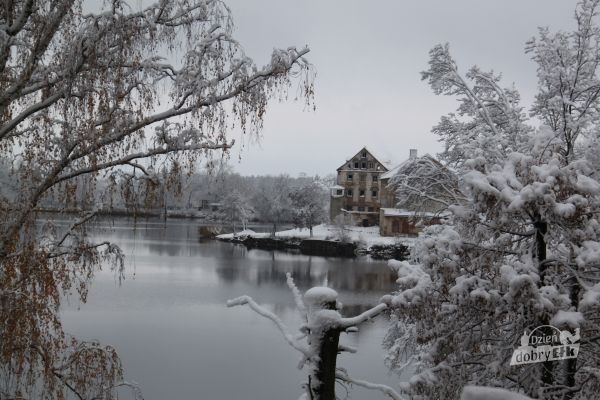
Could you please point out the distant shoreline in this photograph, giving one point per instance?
(118, 212)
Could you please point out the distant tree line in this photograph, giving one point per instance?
(222, 195)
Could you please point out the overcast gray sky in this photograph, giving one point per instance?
(368, 55)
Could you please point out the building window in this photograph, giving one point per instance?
(356, 165)
(370, 209)
(349, 193)
(363, 177)
(350, 165)
(374, 178)
(350, 176)
(361, 193)
(363, 165)
(364, 154)
(339, 192)
(361, 208)
(370, 165)
(373, 193)
(349, 208)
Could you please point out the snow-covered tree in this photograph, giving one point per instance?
(567, 68)
(235, 210)
(308, 202)
(522, 249)
(342, 223)
(272, 201)
(99, 93)
(425, 185)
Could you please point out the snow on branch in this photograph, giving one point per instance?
(388, 391)
(297, 295)
(364, 317)
(247, 300)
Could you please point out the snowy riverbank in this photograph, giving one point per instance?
(366, 240)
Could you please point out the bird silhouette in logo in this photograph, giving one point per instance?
(567, 338)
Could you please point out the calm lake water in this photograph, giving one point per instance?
(177, 339)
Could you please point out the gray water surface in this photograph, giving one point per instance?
(178, 340)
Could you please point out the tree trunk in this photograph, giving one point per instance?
(327, 365)
(322, 384)
(571, 364)
(541, 228)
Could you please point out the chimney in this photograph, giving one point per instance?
(413, 154)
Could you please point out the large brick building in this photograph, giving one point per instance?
(365, 191)
(359, 190)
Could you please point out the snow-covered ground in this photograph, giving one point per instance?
(366, 236)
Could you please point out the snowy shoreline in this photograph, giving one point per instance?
(325, 242)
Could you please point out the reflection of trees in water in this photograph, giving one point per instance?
(235, 263)
(354, 276)
(155, 236)
(343, 276)
(301, 270)
(229, 269)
